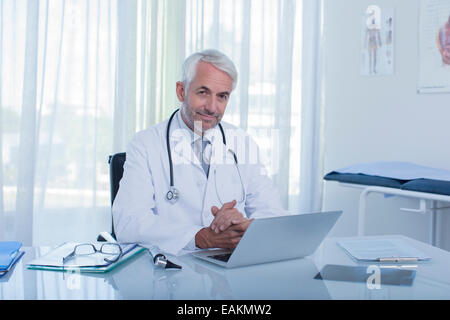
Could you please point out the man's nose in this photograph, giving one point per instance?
(212, 105)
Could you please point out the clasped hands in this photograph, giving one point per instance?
(226, 230)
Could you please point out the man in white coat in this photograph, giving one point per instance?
(192, 181)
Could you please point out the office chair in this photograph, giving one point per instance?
(116, 162)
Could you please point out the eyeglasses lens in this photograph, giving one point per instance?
(84, 249)
(110, 248)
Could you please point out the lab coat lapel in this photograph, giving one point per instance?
(182, 151)
(220, 154)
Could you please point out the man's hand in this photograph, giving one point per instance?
(225, 217)
(229, 238)
(226, 230)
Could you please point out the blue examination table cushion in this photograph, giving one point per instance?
(358, 178)
(400, 175)
(428, 185)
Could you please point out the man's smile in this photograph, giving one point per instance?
(206, 117)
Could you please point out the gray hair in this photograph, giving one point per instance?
(216, 58)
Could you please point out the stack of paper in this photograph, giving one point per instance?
(81, 263)
(9, 254)
(389, 250)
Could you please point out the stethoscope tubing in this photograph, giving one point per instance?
(172, 194)
(169, 152)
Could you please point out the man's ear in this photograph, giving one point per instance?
(180, 89)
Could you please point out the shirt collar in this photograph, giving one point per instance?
(193, 135)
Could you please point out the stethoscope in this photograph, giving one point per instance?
(173, 194)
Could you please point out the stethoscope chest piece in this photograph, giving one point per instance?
(172, 195)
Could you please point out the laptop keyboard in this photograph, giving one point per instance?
(222, 257)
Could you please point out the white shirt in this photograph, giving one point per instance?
(141, 212)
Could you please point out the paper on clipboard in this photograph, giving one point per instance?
(380, 249)
(89, 263)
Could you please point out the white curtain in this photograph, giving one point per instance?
(312, 113)
(79, 77)
(57, 71)
(263, 38)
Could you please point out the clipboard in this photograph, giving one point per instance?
(52, 261)
(382, 250)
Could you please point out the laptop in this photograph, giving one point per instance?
(275, 239)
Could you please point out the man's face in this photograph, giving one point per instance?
(206, 98)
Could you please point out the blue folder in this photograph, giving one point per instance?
(17, 258)
(8, 252)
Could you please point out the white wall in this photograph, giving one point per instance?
(379, 118)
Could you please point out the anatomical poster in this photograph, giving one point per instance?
(434, 46)
(377, 41)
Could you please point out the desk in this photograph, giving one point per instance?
(139, 279)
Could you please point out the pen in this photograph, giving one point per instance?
(398, 259)
(398, 266)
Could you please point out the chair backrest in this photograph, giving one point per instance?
(116, 162)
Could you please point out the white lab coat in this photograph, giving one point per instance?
(141, 212)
